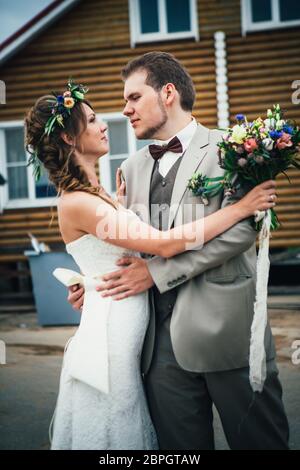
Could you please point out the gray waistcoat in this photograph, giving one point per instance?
(160, 198)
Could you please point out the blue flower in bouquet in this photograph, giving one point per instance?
(60, 99)
(288, 129)
(240, 117)
(275, 134)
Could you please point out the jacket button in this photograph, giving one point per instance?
(163, 183)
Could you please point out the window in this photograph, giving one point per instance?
(21, 189)
(122, 143)
(269, 14)
(160, 20)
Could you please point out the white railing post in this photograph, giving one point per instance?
(221, 79)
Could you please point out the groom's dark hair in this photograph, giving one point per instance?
(163, 68)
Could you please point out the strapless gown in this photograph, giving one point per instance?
(86, 418)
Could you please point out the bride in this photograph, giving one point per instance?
(63, 133)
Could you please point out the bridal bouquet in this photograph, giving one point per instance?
(251, 153)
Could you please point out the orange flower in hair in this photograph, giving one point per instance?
(69, 102)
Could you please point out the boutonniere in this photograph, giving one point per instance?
(205, 187)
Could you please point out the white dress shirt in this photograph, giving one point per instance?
(169, 158)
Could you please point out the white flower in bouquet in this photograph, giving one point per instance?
(238, 134)
(270, 123)
(268, 143)
(279, 124)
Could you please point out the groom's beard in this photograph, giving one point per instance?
(150, 133)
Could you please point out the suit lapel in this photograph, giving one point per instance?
(191, 161)
(143, 190)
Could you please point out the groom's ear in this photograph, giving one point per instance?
(169, 93)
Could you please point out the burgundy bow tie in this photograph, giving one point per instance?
(157, 151)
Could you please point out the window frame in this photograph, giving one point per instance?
(21, 203)
(249, 26)
(138, 37)
(104, 161)
(32, 200)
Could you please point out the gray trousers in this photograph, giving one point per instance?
(180, 404)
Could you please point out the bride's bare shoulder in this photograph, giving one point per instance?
(71, 201)
(78, 205)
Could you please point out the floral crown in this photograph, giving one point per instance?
(61, 106)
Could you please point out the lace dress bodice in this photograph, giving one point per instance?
(96, 257)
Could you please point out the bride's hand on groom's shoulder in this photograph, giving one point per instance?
(76, 296)
(120, 187)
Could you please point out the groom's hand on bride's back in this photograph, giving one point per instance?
(132, 279)
(76, 296)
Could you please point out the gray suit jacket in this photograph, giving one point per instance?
(211, 320)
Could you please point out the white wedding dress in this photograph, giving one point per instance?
(86, 418)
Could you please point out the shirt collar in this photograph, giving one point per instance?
(185, 135)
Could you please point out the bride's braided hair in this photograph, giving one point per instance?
(56, 155)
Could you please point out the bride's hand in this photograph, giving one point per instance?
(121, 187)
(262, 198)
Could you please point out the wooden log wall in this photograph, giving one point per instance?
(91, 43)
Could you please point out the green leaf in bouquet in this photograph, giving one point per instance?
(275, 224)
(264, 154)
(230, 162)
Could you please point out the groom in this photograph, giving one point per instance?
(196, 350)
